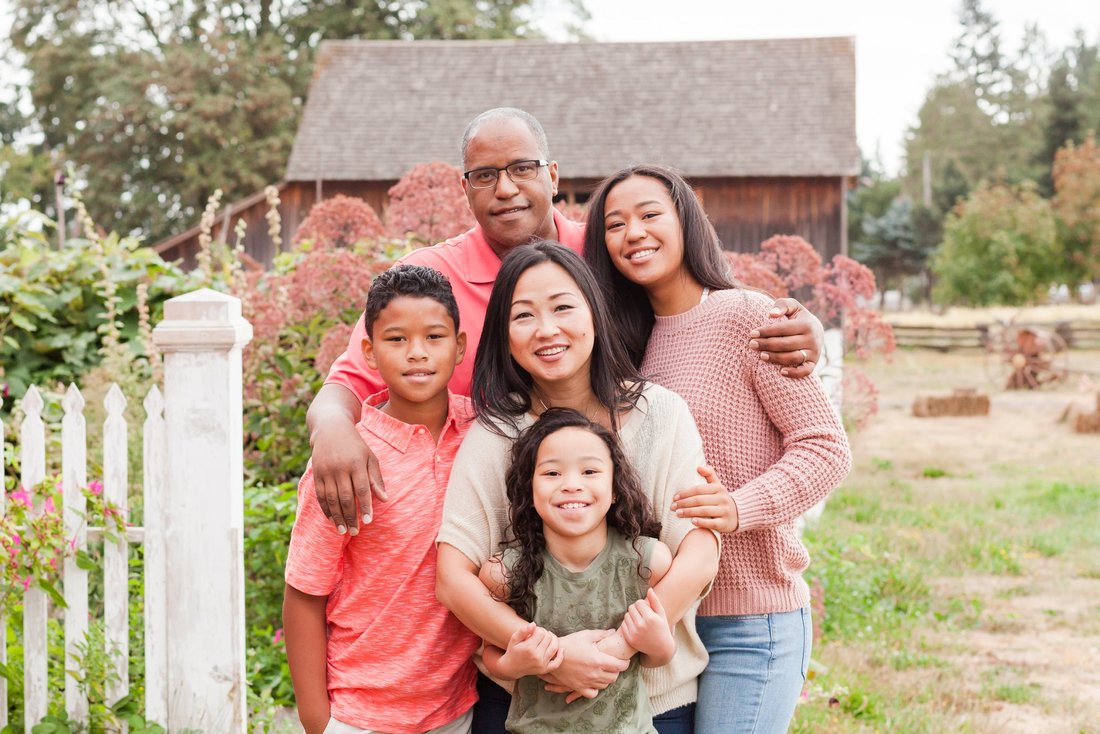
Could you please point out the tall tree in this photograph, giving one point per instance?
(158, 103)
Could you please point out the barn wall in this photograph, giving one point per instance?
(747, 211)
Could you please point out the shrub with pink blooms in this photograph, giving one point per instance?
(428, 205)
(341, 221)
(34, 545)
(837, 291)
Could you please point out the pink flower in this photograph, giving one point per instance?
(26, 583)
(50, 506)
(15, 539)
(95, 487)
(22, 497)
(278, 636)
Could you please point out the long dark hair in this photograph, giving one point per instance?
(630, 512)
(502, 389)
(702, 253)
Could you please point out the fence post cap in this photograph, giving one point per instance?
(202, 320)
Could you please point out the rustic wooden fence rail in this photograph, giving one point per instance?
(192, 534)
(1078, 335)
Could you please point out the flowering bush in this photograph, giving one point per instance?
(33, 545)
(428, 205)
(838, 291)
(340, 221)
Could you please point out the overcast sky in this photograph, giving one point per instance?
(900, 46)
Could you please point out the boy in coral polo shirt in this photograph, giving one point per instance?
(370, 649)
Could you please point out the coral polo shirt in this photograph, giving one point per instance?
(472, 267)
(398, 661)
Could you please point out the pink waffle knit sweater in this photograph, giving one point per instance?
(775, 442)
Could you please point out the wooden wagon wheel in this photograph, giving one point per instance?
(1026, 358)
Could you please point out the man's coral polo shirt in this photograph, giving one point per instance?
(472, 267)
(398, 661)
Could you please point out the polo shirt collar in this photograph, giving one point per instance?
(482, 264)
(397, 433)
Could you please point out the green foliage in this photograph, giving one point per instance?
(52, 302)
(1000, 247)
(157, 103)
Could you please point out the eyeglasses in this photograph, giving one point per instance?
(483, 178)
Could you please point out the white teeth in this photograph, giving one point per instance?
(550, 352)
(640, 254)
(573, 506)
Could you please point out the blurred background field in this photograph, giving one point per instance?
(958, 566)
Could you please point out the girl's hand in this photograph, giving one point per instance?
(645, 627)
(708, 505)
(532, 650)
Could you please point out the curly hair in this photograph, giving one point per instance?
(415, 281)
(630, 512)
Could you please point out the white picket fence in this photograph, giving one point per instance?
(192, 534)
(115, 554)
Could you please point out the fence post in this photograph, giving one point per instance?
(74, 477)
(201, 338)
(35, 606)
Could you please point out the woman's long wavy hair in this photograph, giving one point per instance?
(501, 389)
(630, 511)
(703, 256)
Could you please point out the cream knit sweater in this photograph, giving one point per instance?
(662, 443)
(775, 442)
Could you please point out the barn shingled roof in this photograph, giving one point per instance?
(779, 107)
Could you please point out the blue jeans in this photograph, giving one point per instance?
(757, 667)
(677, 721)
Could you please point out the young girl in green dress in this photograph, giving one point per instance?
(584, 556)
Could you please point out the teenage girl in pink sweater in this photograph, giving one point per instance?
(775, 443)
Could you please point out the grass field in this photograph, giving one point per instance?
(959, 565)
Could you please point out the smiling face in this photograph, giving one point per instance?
(643, 233)
(510, 213)
(572, 486)
(550, 331)
(414, 346)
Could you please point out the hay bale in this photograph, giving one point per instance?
(960, 402)
(1083, 420)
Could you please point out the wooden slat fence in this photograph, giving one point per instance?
(196, 683)
(1078, 335)
(115, 555)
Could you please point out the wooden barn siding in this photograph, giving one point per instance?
(295, 201)
(747, 211)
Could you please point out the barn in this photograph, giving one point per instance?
(764, 129)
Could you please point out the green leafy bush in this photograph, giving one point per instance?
(52, 302)
(1000, 246)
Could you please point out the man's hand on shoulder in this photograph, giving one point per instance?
(795, 340)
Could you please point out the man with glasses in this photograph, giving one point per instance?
(510, 183)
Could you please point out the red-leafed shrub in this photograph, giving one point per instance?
(838, 291)
(428, 205)
(751, 270)
(793, 259)
(340, 221)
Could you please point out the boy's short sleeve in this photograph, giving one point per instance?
(313, 563)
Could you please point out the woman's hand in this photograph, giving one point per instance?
(532, 650)
(708, 505)
(795, 341)
(645, 628)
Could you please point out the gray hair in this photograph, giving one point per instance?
(506, 113)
